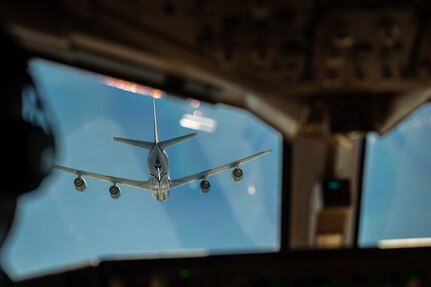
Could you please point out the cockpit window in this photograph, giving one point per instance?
(396, 194)
(57, 227)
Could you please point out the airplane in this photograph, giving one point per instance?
(159, 184)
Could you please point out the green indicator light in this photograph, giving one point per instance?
(336, 281)
(416, 275)
(375, 279)
(274, 283)
(184, 273)
(334, 185)
(412, 276)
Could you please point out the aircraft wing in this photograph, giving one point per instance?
(204, 174)
(112, 179)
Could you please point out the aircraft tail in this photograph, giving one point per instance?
(149, 145)
(156, 135)
(141, 144)
(168, 143)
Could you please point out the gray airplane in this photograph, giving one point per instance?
(159, 183)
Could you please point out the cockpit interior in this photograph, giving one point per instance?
(339, 91)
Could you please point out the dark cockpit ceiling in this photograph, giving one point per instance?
(313, 67)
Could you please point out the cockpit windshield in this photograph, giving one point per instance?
(397, 181)
(57, 227)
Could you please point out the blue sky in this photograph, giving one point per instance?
(397, 180)
(58, 227)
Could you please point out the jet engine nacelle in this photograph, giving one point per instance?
(114, 192)
(237, 174)
(205, 186)
(80, 184)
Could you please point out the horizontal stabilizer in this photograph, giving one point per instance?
(141, 144)
(172, 142)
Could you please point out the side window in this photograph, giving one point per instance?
(396, 188)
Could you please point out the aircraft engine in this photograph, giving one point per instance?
(237, 174)
(114, 192)
(80, 184)
(205, 186)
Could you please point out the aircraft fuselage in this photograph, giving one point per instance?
(158, 171)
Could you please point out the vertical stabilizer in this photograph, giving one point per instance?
(156, 135)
